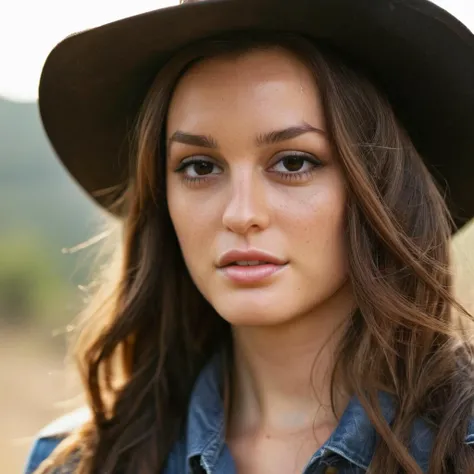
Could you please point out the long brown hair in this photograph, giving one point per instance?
(150, 334)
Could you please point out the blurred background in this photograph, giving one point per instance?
(45, 218)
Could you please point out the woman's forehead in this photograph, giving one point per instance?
(271, 84)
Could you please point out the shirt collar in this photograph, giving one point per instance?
(354, 438)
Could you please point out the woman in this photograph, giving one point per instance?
(287, 179)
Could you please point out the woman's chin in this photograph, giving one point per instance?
(252, 319)
(251, 313)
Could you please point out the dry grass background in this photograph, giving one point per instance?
(35, 388)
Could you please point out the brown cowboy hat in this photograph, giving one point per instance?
(93, 82)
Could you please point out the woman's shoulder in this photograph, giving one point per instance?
(51, 436)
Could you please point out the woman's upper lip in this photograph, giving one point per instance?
(236, 255)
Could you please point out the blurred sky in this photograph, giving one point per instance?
(29, 29)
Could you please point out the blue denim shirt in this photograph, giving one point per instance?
(202, 448)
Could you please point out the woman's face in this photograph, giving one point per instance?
(250, 169)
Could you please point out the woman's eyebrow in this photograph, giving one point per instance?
(276, 136)
(269, 138)
(205, 141)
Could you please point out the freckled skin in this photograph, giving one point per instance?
(244, 203)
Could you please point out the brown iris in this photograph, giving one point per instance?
(293, 163)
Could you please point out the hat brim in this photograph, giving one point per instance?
(94, 82)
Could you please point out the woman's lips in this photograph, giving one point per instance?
(250, 273)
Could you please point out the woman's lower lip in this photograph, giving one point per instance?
(250, 273)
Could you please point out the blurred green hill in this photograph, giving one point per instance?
(36, 192)
(42, 211)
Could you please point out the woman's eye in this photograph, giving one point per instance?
(291, 166)
(198, 168)
(295, 163)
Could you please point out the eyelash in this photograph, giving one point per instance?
(289, 176)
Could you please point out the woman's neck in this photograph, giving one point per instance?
(282, 375)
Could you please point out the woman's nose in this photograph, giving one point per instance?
(247, 206)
